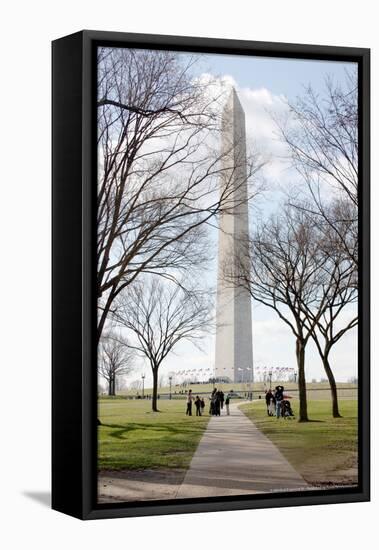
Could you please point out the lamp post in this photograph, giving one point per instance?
(270, 376)
(250, 392)
(170, 378)
(143, 386)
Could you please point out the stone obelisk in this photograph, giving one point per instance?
(234, 346)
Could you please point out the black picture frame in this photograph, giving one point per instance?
(74, 386)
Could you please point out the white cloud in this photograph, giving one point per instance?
(262, 108)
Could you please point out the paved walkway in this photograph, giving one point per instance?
(235, 458)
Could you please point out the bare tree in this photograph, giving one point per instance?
(337, 292)
(115, 359)
(283, 271)
(160, 315)
(159, 169)
(136, 385)
(121, 383)
(308, 282)
(322, 135)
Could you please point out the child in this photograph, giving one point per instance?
(202, 405)
(198, 406)
(227, 401)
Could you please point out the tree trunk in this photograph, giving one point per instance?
(333, 387)
(104, 314)
(300, 356)
(154, 403)
(111, 386)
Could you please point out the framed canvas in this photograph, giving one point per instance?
(210, 275)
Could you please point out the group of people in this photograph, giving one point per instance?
(277, 403)
(199, 404)
(217, 401)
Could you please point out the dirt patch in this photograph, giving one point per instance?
(338, 471)
(136, 485)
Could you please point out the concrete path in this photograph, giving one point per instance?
(235, 458)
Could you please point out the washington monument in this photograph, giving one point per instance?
(234, 346)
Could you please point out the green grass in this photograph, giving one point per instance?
(133, 437)
(323, 451)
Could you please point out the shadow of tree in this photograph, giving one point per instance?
(121, 430)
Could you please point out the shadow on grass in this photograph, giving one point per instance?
(124, 429)
(287, 422)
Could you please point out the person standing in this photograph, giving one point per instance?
(213, 404)
(227, 402)
(217, 404)
(271, 407)
(202, 405)
(268, 397)
(189, 403)
(278, 396)
(198, 406)
(222, 398)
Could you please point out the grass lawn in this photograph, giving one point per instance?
(133, 437)
(323, 451)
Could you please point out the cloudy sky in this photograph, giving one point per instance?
(263, 84)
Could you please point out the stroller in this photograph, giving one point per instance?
(287, 411)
